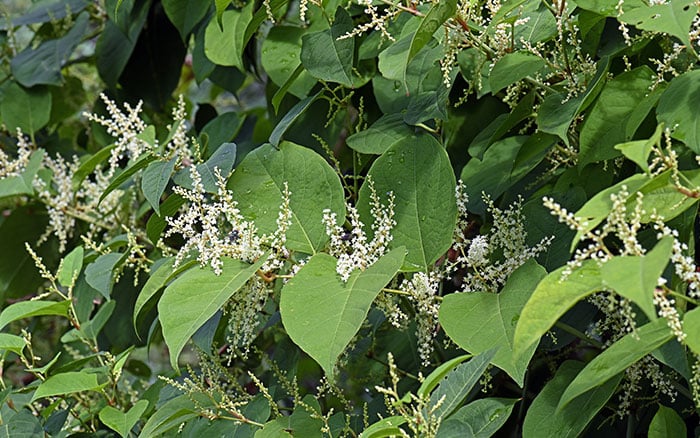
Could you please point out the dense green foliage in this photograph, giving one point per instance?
(350, 218)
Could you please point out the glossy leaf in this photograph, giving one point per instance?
(172, 414)
(384, 133)
(158, 280)
(258, 186)
(185, 15)
(479, 321)
(281, 57)
(635, 278)
(67, 383)
(154, 181)
(417, 171)
(290, 117)
(28, 109)
(28, 309)
(639, 150)
(100, 273)
(616, 358)
(691, 325)
(458, 383)
(325, 56)
(550, 300)
(123, 422)
(677, 109)
(673, 18)
(545, 419)
(438, 374)
(386, 427)
(43, 64)
(223, 42)
(480, 418)
(322, 314)
(70, 267)
(194, 297)
(513, 67)
(607, 121)
(666, 423)
(12, 343)
(433, 20)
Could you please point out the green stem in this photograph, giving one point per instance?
(579, 334)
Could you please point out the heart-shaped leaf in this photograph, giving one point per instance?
(123, 422)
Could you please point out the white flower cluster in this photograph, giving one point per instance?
(507, 237)
(378, 21)
(685, 267)
(422, 290)
(352, 248)
(668, 311)
(10, 166)
(646, 368)
(213, 227)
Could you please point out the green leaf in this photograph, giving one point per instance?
(596, 209)
(544, 419)
(185, 15)
(386, 427)
(223, 41)
(480, 321)
(100, 273)
(457, 385)
(23, 184)
(620, 355)
(28, 309)
(513, 67)
(638, 151)
(12, 343)
(223, 159)
(557, 112)
(388, 130)
(322, 314)
(607, 121)
(156, 223)
(258, 186)
(678, 109)
(23, 424)
(673, 18)
(691, 325)
(635, 278)
(290, 117)
(281, 58)
(325, 56)
(666, 423)
(26, 108)
(418, 172)
(128, 173)
(550, 300)
(44, 12)
(43, 64)
(172, 414)
(122, 422)
(89, 165)
(67, 383)
(480, 418)
(435, 377)
(194, 297)
(154, 181)
(70, 266)
(433, 20)
(158, 280)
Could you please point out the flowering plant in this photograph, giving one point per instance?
(349, 218)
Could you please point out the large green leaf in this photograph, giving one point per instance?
(280, 57)
(173, 413)
(480, 321)
(607, 121)
(617, 358)
(223, 159)
(157, 281)
(23, 184)
(667, 423)
(43, 64)
(12, 343)
(154, 181)
(544, 419)
(26, 108)
(70, 266)
(290, 117)
(325, 56)
(438, 374)
(67, 383)
(123, 177)
(23, 424)
(100, 273)
(28, 309)
(513, 67)
(678, 109)
(418, 171)
(258, 186)
(458, 383)
(322, 314)
(635, 278)
(123, 422)
(673, 17)
(550, 300)
(691, 325)
(384, 133)
(224, 44)
(185, 14)
(386, 427)
(194, 297)
(479, 419)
